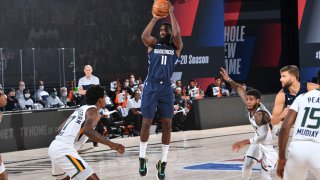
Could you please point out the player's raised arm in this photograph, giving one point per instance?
(92, 118)
(175, 30)
(242, 93)
(146, 37)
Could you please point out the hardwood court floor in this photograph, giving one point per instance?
(200, 155)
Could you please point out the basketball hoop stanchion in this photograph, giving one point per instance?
(34, 72)
(2, 78)
(21, 66)
(63, 70)
(74, 64)
(59, 54)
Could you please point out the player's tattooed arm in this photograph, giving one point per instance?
(262, 118)
(240, 90)
(92, 118)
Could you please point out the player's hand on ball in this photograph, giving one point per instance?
(118, 147)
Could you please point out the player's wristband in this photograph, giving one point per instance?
(229, 80)
(252, 141)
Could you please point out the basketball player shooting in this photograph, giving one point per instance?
(157, 95)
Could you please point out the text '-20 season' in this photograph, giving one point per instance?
(191, 59)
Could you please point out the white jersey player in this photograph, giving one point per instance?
(261, 145)
(73, 133)
(303, 151)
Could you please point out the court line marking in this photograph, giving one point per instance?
(109, 150)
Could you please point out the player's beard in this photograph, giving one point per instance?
(253, 108)
(287, 84)
(165, 40)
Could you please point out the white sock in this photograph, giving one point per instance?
(165, 150)
(143, 149)
(2, 168)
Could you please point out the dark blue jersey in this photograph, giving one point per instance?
(162, 60)
(290, 98)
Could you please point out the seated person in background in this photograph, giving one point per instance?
(12, 102)
(192, 90)
(180, 110)
(41, 95)
(64, 96)
(217, 89)
(53, 101)
(19, 92)
(134, 116)
(178, 84)
(140, 88)
(26, 103)
(126, 87)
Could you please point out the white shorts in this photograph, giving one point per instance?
(2, 168)
(67, 162)
(266, 153)
(302, 157)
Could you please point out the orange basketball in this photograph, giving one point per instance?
(3, 100)
(160, 8)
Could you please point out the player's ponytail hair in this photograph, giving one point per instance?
(94, 93)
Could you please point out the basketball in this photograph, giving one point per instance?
(3, 100)
(160, 8)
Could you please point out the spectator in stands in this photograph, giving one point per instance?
(179, 84)
(132, 80)
(109, 103)
(64, 96)
(134, 116)
(192, 90)
(180, 110)
(131, 88)
(126, 87)
(217, 89)
(140, 88)
(19, 92)
(53, 101)
(12, 102)
(41, 95)
(26, 103)
(86, 81)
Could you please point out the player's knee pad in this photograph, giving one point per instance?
(2, 168)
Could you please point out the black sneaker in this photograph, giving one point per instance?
(161, 167)
(143, 169)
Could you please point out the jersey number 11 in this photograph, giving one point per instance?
(163, 60)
